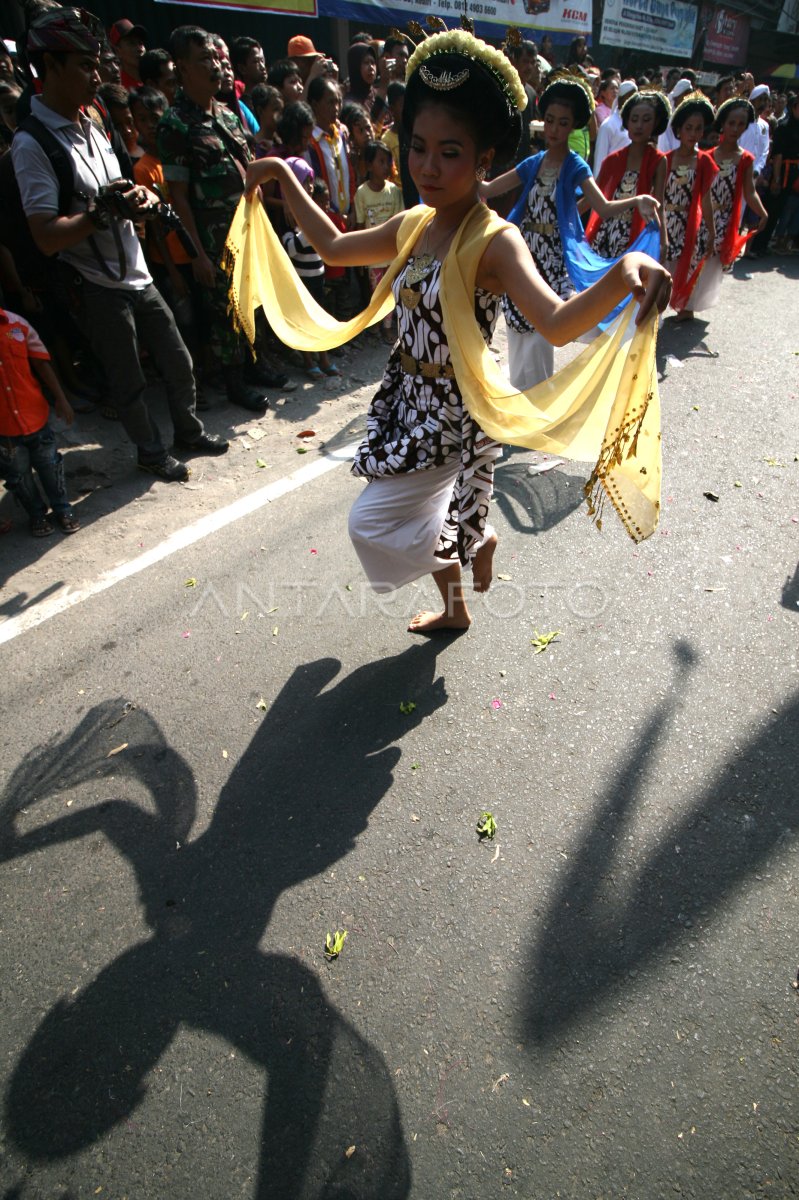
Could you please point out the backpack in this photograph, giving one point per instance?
(34, 267)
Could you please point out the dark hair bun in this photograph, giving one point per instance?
(476, 99)
(573, 92)
(724, 110)
(656, 101)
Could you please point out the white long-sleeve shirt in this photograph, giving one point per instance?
(756, 140)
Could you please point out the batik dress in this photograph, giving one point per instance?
(614, 235)
(430, 466)
(722, 197)
(531, 358)
(687, 235)
(541, 232)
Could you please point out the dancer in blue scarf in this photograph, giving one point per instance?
(552, 182)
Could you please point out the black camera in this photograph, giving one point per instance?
(112, 204)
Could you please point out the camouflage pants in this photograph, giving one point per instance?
(228, 347)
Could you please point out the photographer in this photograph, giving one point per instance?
(100, 262)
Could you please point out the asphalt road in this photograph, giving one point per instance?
(200, 782)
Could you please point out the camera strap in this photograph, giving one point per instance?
(122, 261)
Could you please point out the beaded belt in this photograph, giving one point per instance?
(676, 208)
(547, 229)
(428, 370)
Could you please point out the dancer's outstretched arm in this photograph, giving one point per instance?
(359, 248)
(507, 267)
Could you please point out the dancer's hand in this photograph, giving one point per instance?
(261, 171)
(649, 208)
(649, 282)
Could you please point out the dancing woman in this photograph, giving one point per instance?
(549, 222)
(733, 186)
(689, 212)
(636, 169)
(428, 461)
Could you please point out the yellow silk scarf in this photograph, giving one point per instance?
(603, 407)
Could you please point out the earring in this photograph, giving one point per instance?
(480, 174)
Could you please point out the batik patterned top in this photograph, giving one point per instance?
(722, 196)
(545, 245)
(415, 422)
(614, 235)
(679, 186)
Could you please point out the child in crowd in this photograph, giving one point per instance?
(26, 439)
(377, 201)
(267, 104)
(117, 102)
(395, 95)
(167, 259)
(335, 277)
(307, 264)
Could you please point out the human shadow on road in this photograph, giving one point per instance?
(303, 791)
(533, 504)
(606, 920)
(681, 340)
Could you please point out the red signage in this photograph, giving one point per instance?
(725, 34)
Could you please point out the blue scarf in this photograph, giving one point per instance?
(584, 266)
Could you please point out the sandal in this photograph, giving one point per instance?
(67, 522)
(313, 372)
(41, 527)
(330, 370)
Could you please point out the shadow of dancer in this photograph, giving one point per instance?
(601, 924)
(322, 757)
(533, 504)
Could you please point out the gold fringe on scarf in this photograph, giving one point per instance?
(603, 407)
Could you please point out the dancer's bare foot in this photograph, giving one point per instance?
(483, 564)
(431, 622)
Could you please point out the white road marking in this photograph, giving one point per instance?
(38, 613)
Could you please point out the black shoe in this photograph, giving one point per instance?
(261, 374)
(166, 468)
(244, 397)
(206, 443)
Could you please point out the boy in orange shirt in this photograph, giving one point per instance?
(26, 438)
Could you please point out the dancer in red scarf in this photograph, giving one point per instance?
(689, 215)
(733, 185)
(637, 169)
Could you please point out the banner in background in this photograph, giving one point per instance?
(283, 8)
(661, 27)
(721, 36)
(562, 19)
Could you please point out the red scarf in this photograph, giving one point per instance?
(734, 239)
(610, 176)
(684, 283)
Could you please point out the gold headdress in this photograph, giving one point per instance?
(458, 41)
(661, 104)
(694, 99)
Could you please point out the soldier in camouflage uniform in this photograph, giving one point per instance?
(204, 154)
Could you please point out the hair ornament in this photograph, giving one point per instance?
(436, 25)
(694, 100)
(416, 32)
(444, 82)
(467, 24)
(565, 75)
(658, 101)
(458, 41)
(724, 110)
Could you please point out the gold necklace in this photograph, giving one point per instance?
(421, 267)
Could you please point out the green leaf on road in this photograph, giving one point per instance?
(540, 641)
(407, 706)
(334, 943)
(486, 826)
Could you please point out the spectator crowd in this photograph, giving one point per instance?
(122, 167)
